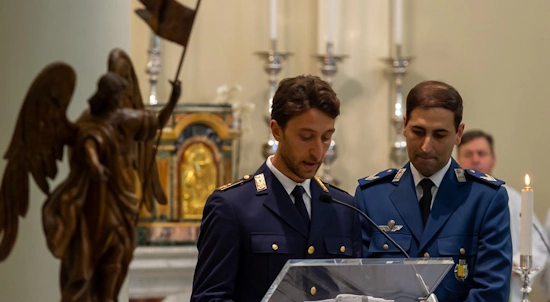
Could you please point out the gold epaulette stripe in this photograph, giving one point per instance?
(321, 184)
(233, 184)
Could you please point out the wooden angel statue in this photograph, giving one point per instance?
(89, 219)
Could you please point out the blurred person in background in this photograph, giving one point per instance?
(476, 151)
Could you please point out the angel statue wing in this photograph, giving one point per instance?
(38, 141)
(146, 165)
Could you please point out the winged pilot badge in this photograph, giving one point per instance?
(390, 227)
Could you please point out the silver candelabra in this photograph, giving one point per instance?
(153, 67)
(329, 60)
(524, 269)
(399, 63)
(328, 70)
(272, 67)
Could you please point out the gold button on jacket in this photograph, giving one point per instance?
(311, 250)
(313, 290)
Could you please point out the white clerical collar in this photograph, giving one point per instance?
(287, 183)
(436, 178)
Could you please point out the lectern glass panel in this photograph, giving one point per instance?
(391, 279)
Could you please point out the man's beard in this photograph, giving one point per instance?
(294, 168)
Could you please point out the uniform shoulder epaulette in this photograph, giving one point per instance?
(484, 178)
(324, 185)
(376, 177)
(337, 188)
(239, 182)
(321, 184)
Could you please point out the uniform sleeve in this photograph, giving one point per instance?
(218, 245)
(494, 258)
(514, 204)
(356, 229)
(365, 226)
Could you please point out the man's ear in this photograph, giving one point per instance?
(276, 130)
(459, 134)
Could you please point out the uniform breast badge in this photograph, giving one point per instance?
(391, 227)
(461, 270)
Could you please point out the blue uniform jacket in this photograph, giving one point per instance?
(251, 228)
(469, 220)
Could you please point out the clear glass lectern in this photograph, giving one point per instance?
(399, 280)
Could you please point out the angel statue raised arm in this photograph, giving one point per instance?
(89, 219)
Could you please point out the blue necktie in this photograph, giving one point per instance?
(298, 194)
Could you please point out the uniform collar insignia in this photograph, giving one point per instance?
(260, 182)
(460, 175)
(399, 174)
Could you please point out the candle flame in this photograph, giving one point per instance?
(527, 180)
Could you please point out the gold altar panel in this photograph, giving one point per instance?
(198, 173)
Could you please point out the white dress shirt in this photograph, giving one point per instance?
(436, 178)
(289, 184)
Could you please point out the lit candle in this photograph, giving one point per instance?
(330, 35)
(273, 19)
(526, 218)
(398, 22)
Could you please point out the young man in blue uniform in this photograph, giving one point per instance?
(252, 227)
(438, 209)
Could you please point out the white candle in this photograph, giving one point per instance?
(273, 19)
(526, 218)
(330, 35)
(398, 22)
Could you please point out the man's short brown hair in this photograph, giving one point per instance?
(296, 95)
(435, 94)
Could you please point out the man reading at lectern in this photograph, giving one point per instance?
(434, 208)
(250, 228)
